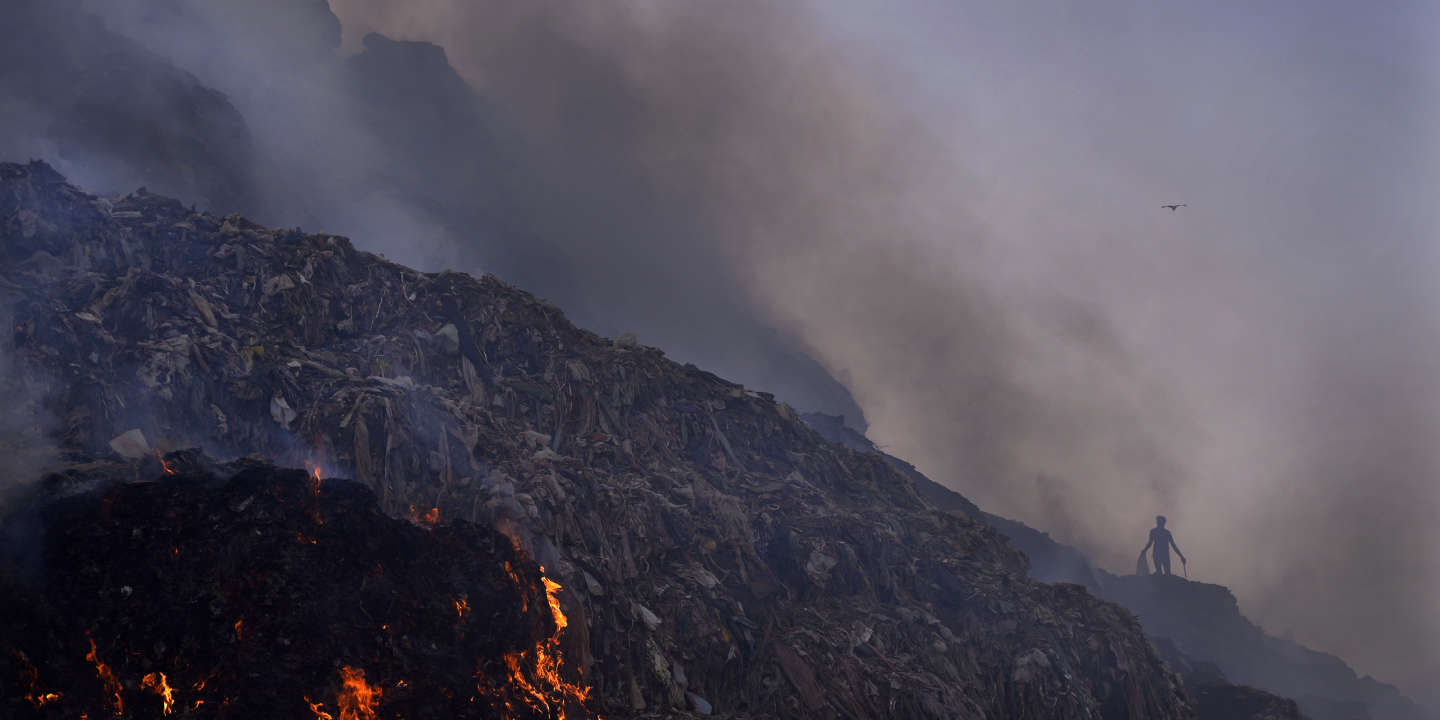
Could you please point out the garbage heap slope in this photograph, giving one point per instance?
(716, 554)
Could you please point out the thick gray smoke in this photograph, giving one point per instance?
(954, 209)
(957, 208)
(546, 189)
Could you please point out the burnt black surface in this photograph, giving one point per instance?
(261, 587)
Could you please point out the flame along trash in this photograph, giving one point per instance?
(489, 583)
(358, 699)
(156, 682)
(551, 693)
(112, 684)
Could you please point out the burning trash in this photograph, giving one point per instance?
(430, 518)
(246, 624)
(155, 682)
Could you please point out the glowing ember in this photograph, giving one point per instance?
(112, 684)
(358, 698)
(240, 630)
(168, 470)
(304, 539)
(519, 581)
(462, 606)
(156, 681)
(430, 519)
(315, 482)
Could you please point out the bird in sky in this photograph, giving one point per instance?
(1173, 208)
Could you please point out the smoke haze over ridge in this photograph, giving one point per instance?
(957, 208)
(954, 208)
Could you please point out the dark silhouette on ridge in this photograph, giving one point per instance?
(1162, 541)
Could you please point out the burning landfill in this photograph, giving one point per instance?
(270, 595)
(703, 551)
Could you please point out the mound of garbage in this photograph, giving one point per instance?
(716, 555)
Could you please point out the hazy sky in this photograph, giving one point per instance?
(1264, 364)
(956, 205)
(1268, 377)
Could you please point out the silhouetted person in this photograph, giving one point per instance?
(1162, 540)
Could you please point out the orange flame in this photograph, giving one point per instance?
(462, 606)
(552, 587)
(165, 465)
(358, 698)
(318, 710)
(550, 693)
(112, 684)
(156, 681)
(240, 630)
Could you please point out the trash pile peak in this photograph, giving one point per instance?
(714, 554)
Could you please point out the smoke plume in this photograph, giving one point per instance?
(953, 209)
(957, 210)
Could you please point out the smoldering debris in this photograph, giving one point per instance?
(208, 591)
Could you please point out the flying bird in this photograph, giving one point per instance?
(1173, 208)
